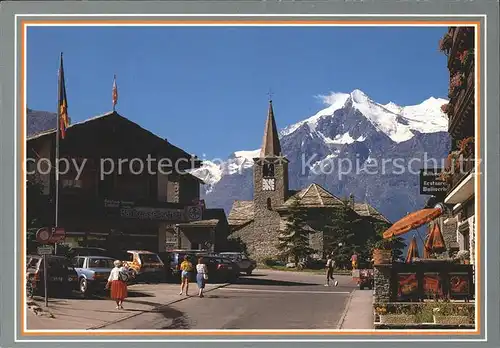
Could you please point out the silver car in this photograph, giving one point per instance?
(245, 264)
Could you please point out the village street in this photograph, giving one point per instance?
(266, 300)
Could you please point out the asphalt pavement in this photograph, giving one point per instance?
(265, 300)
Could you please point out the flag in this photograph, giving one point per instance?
(63, 103)
(115, 93)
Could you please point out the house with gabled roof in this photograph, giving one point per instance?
(258, 222)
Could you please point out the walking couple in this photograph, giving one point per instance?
(201, 275)
(330, 264)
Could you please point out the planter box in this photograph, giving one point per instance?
(397, 319)
(382, 257)
(451, 319)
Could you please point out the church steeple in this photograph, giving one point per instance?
(271, 143)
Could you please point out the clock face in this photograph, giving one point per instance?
(194, 213)
(268, 184)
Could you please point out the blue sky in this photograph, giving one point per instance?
(205, 89)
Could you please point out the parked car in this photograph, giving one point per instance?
(87, 251)
(245, 264)
(93, 273)
(144, 266)
(221, 269)
(62, 277)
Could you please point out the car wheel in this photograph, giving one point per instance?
(361, 287)
(84, 286)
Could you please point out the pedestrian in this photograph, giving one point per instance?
(186, 269)
(330, 263)
(354, 261)
(117, 281)
(201, 275)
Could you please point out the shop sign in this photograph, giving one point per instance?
(431, 184)
(148, 213)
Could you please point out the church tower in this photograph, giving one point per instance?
(271, 168)
(270, 180)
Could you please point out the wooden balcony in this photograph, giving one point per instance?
(462, 114)
(467, 166)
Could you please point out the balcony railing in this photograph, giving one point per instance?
(466, 165)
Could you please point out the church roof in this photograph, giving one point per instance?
(270, 143)
(242, 212)
(314, 196)
(364, 209)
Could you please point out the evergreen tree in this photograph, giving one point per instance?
(342, 235)
(294, 239)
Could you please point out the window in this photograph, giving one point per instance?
(149, 258)
(269, 203)
(78, 262)
(100, 263)
(268, 170)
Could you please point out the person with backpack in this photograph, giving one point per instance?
(117, 281)
(186, 270)
(330, 264)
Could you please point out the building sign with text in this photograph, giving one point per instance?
(128, 210)
(431, 184)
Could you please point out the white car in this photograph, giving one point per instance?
(245, 264)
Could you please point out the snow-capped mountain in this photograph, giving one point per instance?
(354, 127)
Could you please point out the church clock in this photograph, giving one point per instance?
(268, 184)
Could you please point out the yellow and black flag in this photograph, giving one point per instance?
(63, 102)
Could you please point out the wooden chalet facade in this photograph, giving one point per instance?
(459, 46)
(125, 207)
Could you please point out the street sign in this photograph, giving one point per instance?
(58, 234)
(43, 235)
(45, 250)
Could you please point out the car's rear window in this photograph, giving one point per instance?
(149, 258)
(100, 263)
(58, 262)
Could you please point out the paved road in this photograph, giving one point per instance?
(265, 300)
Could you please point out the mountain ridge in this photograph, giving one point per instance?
(351, 127)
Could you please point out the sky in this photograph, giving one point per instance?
(205, 89)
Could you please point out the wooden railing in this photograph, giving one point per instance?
(467, 165)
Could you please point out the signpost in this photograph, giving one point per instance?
(44, 251)
(46, 236)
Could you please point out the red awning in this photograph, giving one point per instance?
(412, 250)
(412, 221)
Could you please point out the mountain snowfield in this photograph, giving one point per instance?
(398, 124)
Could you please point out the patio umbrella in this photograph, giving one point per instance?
(427, 250)
(412, 250)
(412, 221)
(435, 241)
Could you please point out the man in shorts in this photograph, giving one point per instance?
(330, 264)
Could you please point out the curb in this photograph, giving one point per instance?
(151, 310)
(346, 309)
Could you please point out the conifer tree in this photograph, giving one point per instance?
(294, 238)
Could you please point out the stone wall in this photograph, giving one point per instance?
(173, 188)
(382, 284)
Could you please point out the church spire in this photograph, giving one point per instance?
(271, 143)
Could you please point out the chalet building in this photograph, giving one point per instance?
(258, 222)
(458, 44)
(124, 208)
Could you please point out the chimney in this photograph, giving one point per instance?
(351, 200)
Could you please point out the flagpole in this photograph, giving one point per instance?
(57, 149)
